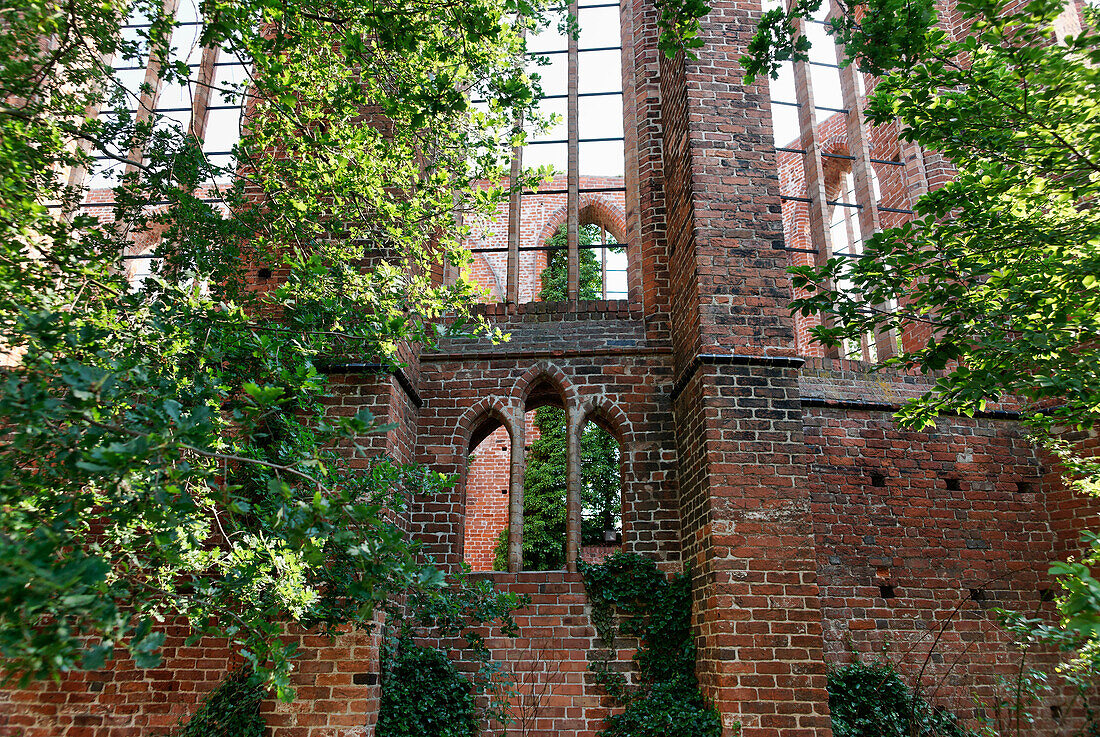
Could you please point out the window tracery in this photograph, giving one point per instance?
(550, 500)
(582, 85)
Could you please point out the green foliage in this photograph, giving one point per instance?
(544, 502)
(555, 277)
(631, 597)
(424, 695)
(601, 485)
(230, 710)
(1002, 263)
(679, 24)
(454, 613)
(164, 452)
(872, 701)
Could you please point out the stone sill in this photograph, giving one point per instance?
(589, 309)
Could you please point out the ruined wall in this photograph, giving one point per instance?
(815, 530)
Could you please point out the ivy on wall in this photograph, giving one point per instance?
(423, 692)
(631, 597)
(870, 700)
(424, 695)
(232, 709)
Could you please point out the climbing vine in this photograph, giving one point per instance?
(631, 597)
(870, 700)
(232, 709)
(424, 693)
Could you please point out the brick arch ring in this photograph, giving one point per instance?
(605, 414)
(475, 417)
(596, 209)
(551, 373)
(834, 168)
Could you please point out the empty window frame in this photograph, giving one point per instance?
(582, 87)
(840, 181)
(208, 105)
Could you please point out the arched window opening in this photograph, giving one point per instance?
(601, 492)
(545, 484)
(602, 263)
(488, 479)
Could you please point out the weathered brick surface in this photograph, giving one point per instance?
(336, 682)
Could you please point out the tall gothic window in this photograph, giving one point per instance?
(840, 179)
(544, 229)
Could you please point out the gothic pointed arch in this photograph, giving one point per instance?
(538, 385)
(605, 414)
(481, 419)
(596, 209)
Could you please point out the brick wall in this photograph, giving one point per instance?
(920, 535)
(813, 527)
(610, 371)
(336, 682)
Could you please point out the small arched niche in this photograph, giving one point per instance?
(601, 489)
(487, 484)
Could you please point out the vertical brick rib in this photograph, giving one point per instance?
(744, 502)
(573, 165)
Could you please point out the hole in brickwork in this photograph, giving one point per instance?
(877, 479)
(1046, 595)
(488, 478)
(1023, 487)
(979, 595)
(365, 679)
(886, 591)
(1056, 712)
(952, 484)
(263, 274)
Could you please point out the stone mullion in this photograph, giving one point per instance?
(859, 148)
(515, 493)
(515, 211)
(204, 87)
(515, 203)
(147, 102)
(813, 170)
(572, 490)
(573, 172)
(632, 234)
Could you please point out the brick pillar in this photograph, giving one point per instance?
(744, 501)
